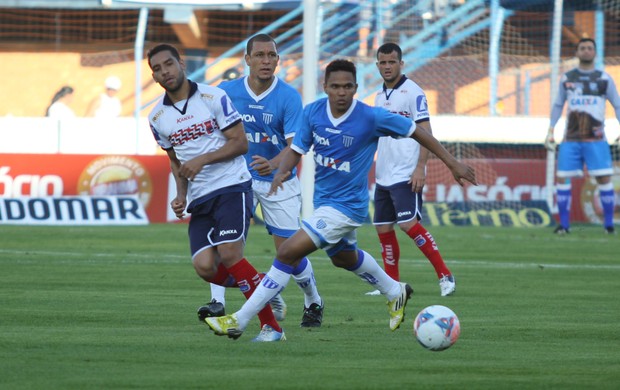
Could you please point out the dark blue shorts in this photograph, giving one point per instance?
(223, 218)
(396, 204)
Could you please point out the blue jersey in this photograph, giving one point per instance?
(344, 149)
(269, 119)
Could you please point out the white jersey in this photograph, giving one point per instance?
(197, 129)
(397, 158)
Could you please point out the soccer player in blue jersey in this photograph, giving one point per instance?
(400, 172)
(203, 135)
(586, 90)
(344, 133)
(272, 113)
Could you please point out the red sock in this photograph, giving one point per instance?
(390, 251)
(223, 277)
(247, 280)
(425, 241)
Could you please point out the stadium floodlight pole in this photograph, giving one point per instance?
(497, 21)
(599, 33)
(310, 76)
(556, 37)
(138, 56)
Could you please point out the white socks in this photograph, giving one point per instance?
(218, 292)
(369, 270)
(274, 281)
(304, 277)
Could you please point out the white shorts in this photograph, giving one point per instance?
(331, 230)
(280, 211)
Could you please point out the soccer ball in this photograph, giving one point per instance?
(436, 328)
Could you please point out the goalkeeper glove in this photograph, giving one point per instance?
(550, 140)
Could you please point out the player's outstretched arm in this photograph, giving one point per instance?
(290, 159)
(459, 170)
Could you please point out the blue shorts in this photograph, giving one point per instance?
(396, 204)
(223, 218)
(573, 154)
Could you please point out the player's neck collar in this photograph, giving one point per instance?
(261, 95)
(343, 117)
(193, 87)
(400, 82)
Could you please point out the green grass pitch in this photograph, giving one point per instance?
(114, 308)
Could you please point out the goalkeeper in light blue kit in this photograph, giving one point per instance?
(344, 133)
(272, 114)
(585, 90)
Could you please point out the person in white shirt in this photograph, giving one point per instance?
(59, 107)
(202, 133)
(401, 172)
(107, 104)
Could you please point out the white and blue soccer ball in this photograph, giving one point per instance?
(436, 328)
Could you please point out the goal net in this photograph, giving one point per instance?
(496, 120)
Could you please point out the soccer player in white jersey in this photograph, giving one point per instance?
(272, 113)
(400, 172)
(586, 90)
(344, 133)
(203, 135)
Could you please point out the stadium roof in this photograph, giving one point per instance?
(204, 4)
(548, 5)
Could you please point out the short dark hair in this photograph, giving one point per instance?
(390, 47)
(163, 47)
(259, 38)
(340, 65)
(582, 40)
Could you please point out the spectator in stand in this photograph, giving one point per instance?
(59, 106)
(107, 104)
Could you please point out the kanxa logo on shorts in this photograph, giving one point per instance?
(225, 232)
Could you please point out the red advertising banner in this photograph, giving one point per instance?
(511, 180)
(503, 180)
(44, 175)
(500, 180)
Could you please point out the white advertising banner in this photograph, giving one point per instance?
(73, 210)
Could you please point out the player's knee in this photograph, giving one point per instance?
(230, 253)
(345, 259)
(205, 273)
(406, 226)
(602, 180)
(285, 254)
(339, 263)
